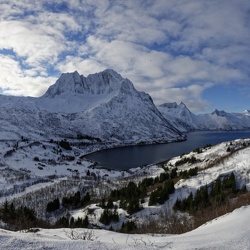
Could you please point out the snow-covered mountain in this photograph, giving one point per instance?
(179, 116)
(105, 107)
(184, 120)
(102, 107)
(221, 120)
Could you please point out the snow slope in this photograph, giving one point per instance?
(229, 232)
(238, 163)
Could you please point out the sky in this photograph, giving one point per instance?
(191, 51)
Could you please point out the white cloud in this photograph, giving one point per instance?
(83, 66)
(11, 10)
(135, 62)
(184, 70)
(19, 81)
(230, 55)
(55, 23)
(214, 24)
(190, 95)
(29, 42)
(128, 21)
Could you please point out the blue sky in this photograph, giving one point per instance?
(195, 51)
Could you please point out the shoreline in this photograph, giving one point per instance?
(189, 148)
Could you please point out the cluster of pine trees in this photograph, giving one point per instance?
(72, 223)
(18, 218)
(161, 194)
(128, 227)
(129, 197)
(72, 202)
(206, 196)
(132, 196)
(187, 173)
(184, 160)
(75, 201)
(53, 205)
(108, 216)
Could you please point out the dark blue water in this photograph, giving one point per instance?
(135, 156)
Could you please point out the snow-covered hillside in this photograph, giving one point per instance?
(184, 120)
(229, 232)
(103, 107)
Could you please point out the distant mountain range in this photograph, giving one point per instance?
(105, 108)
(184, 120)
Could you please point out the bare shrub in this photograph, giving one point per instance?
(80, 235)
(146, 243)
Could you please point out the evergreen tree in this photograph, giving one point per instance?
(53, 205)
(152, 198)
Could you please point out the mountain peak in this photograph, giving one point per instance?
(103, 82)
(107, 106)
(182, 105)
(219, 113)
(111, 72)
(179, 116)
(67, 82)
(173, 105)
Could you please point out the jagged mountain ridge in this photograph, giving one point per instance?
(100, 83)
(184, 120)
(104, 106)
